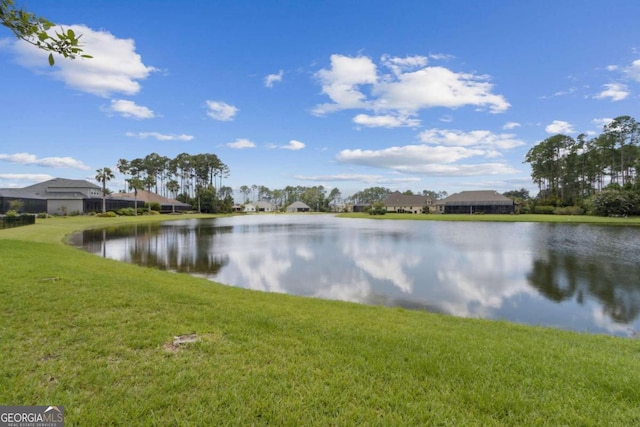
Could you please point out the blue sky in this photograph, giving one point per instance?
(408, 95)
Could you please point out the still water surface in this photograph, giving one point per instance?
(576, 277)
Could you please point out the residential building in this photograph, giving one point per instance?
(298, 207)
(407, 203)
(473, 202)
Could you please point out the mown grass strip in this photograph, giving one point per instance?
(90, 334)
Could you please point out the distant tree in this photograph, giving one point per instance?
(148, 183)
(368, 196)
(173, 187)
(435, 195)
(207, 199)
(103, 175)
(245, 190)
(521, 194)
(135, 184)
(225, 192)
(334, 197)
(34, 30)
(124, 168)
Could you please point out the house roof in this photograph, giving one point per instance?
(61, 183)
(51, 190)
(298, 205)
(475, 198)
(147, 196)
(398, 199)
(19, 193)
(264, 204)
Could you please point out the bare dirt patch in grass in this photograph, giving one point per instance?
(179, 341)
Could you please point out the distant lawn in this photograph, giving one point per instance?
(96, 336)
(578, 219)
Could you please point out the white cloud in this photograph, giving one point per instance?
(222, 111)
(241, 143)
(400, 65)
(24, 177)
(633, 71)
(272, 79)
(511, 125)
(128, 108)
(342, 81)
(160, 136)
(438, 87)
(559, 126)
(293, 145)
(387, 121)
(477, 138)
(368, 179)
(408, 157)
(52, 162)
(404, 92)
(444, 152)
(441, 56)
(615, 91)
(114, 68)
(424, 159)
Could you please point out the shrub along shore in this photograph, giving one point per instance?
(99, 337)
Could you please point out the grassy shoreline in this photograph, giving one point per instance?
(94, 335)
(562, 219)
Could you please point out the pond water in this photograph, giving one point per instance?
(576, 277)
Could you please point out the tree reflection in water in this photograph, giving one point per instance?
(186, 251)
(560, 277)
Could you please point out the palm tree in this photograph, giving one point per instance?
(103, 175)
(135, 184)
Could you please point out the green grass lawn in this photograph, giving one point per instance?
(94, 335)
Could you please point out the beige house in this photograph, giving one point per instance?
(408, 203)
(265, 206)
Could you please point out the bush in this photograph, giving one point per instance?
(42, 215)
(11, 213)
(126, 212)
(378, 208)
(543, 210)
(615, 203)
(569, 210)
(109, 214)
(155, 206)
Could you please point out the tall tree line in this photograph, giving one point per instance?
(195, 179)
(568, 170)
